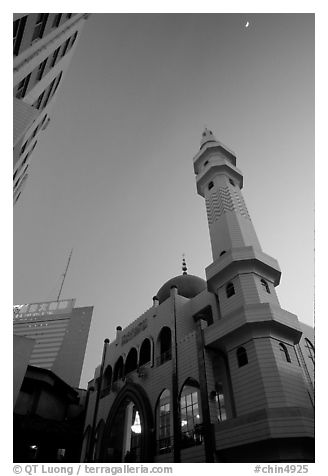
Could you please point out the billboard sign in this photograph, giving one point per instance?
(40, 309)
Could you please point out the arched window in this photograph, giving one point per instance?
(164, 345)
(145, 352)
(242, 356)
(164, 422)
(131, 362)
(310, 348)
(265, 285)
(230, 290)
(191, 419)
(220, 403)
(210, 185)
(284, 350)
(205, 163)
(118, 370)
(232, 182)
(222, 253)
(107, 379)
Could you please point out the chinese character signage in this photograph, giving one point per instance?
(43, 308)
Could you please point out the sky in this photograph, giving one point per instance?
(112, 176)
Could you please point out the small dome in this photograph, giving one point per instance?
(188, 286)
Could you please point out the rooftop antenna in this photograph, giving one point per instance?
(64, 274)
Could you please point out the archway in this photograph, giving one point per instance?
(129, 432)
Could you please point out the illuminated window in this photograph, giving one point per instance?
(242, 356)
(230, 290)
(220, 403)
(191, 420)
(164, 422)
(285, 352)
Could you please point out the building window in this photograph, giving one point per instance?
(205, 163)
(164, 346)
(40, 25)
(210, 185)
(41, 69)
(285, 352)
(145, 352)
(232, 182)
(191, 433)
(220, 403)
(57, 83)
(222, 253)
(19, 26)
(22, 87)
(242, 356)
(65, 47)
(68, 15)
(56, 21)
(118, 370)
(230, 290)
(54, 57)
(131, 362)
(38, 102)
(73, 39)
(23, 148)
(310, 348)
(48, 93)
(265, 285)
(164, 423)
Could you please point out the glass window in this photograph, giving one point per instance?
(285, 352)
(265, 285)
(54, 57)
(22, 87)
(242, 356)
(191, 433)
(19, 26)
(230, 290)
(220, 403)
(232, 182)
(41, 69)
(310, 348)
(40, 25)
(56, 20)
(210, 185)
(65, 47)
(164, 423)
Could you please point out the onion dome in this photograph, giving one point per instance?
(188, 286)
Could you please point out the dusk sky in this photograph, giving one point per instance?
(112, 176)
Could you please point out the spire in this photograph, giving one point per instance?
(207, 136)
(184, 266)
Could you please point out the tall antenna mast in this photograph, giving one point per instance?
(64, 275)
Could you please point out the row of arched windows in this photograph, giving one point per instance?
(230, 288)
(133, 361)
(242, 357)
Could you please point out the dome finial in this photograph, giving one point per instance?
(184, 266)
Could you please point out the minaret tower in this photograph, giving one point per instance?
(255, 334)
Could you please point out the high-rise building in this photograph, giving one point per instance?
(215, 370)
(59, 332)
(43, 47)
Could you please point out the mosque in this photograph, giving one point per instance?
(215, 370)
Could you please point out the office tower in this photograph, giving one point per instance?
(43, 45)
(60, 333)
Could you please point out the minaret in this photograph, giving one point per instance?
(236, 249)
(256, 336)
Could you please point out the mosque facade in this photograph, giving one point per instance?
(215, 370)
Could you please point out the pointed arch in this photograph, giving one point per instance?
(164, 428)
(131, 362)
(190, 414)
(285, 352)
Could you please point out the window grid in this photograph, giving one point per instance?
(19, 26)
(189, 412)
(40, 26)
